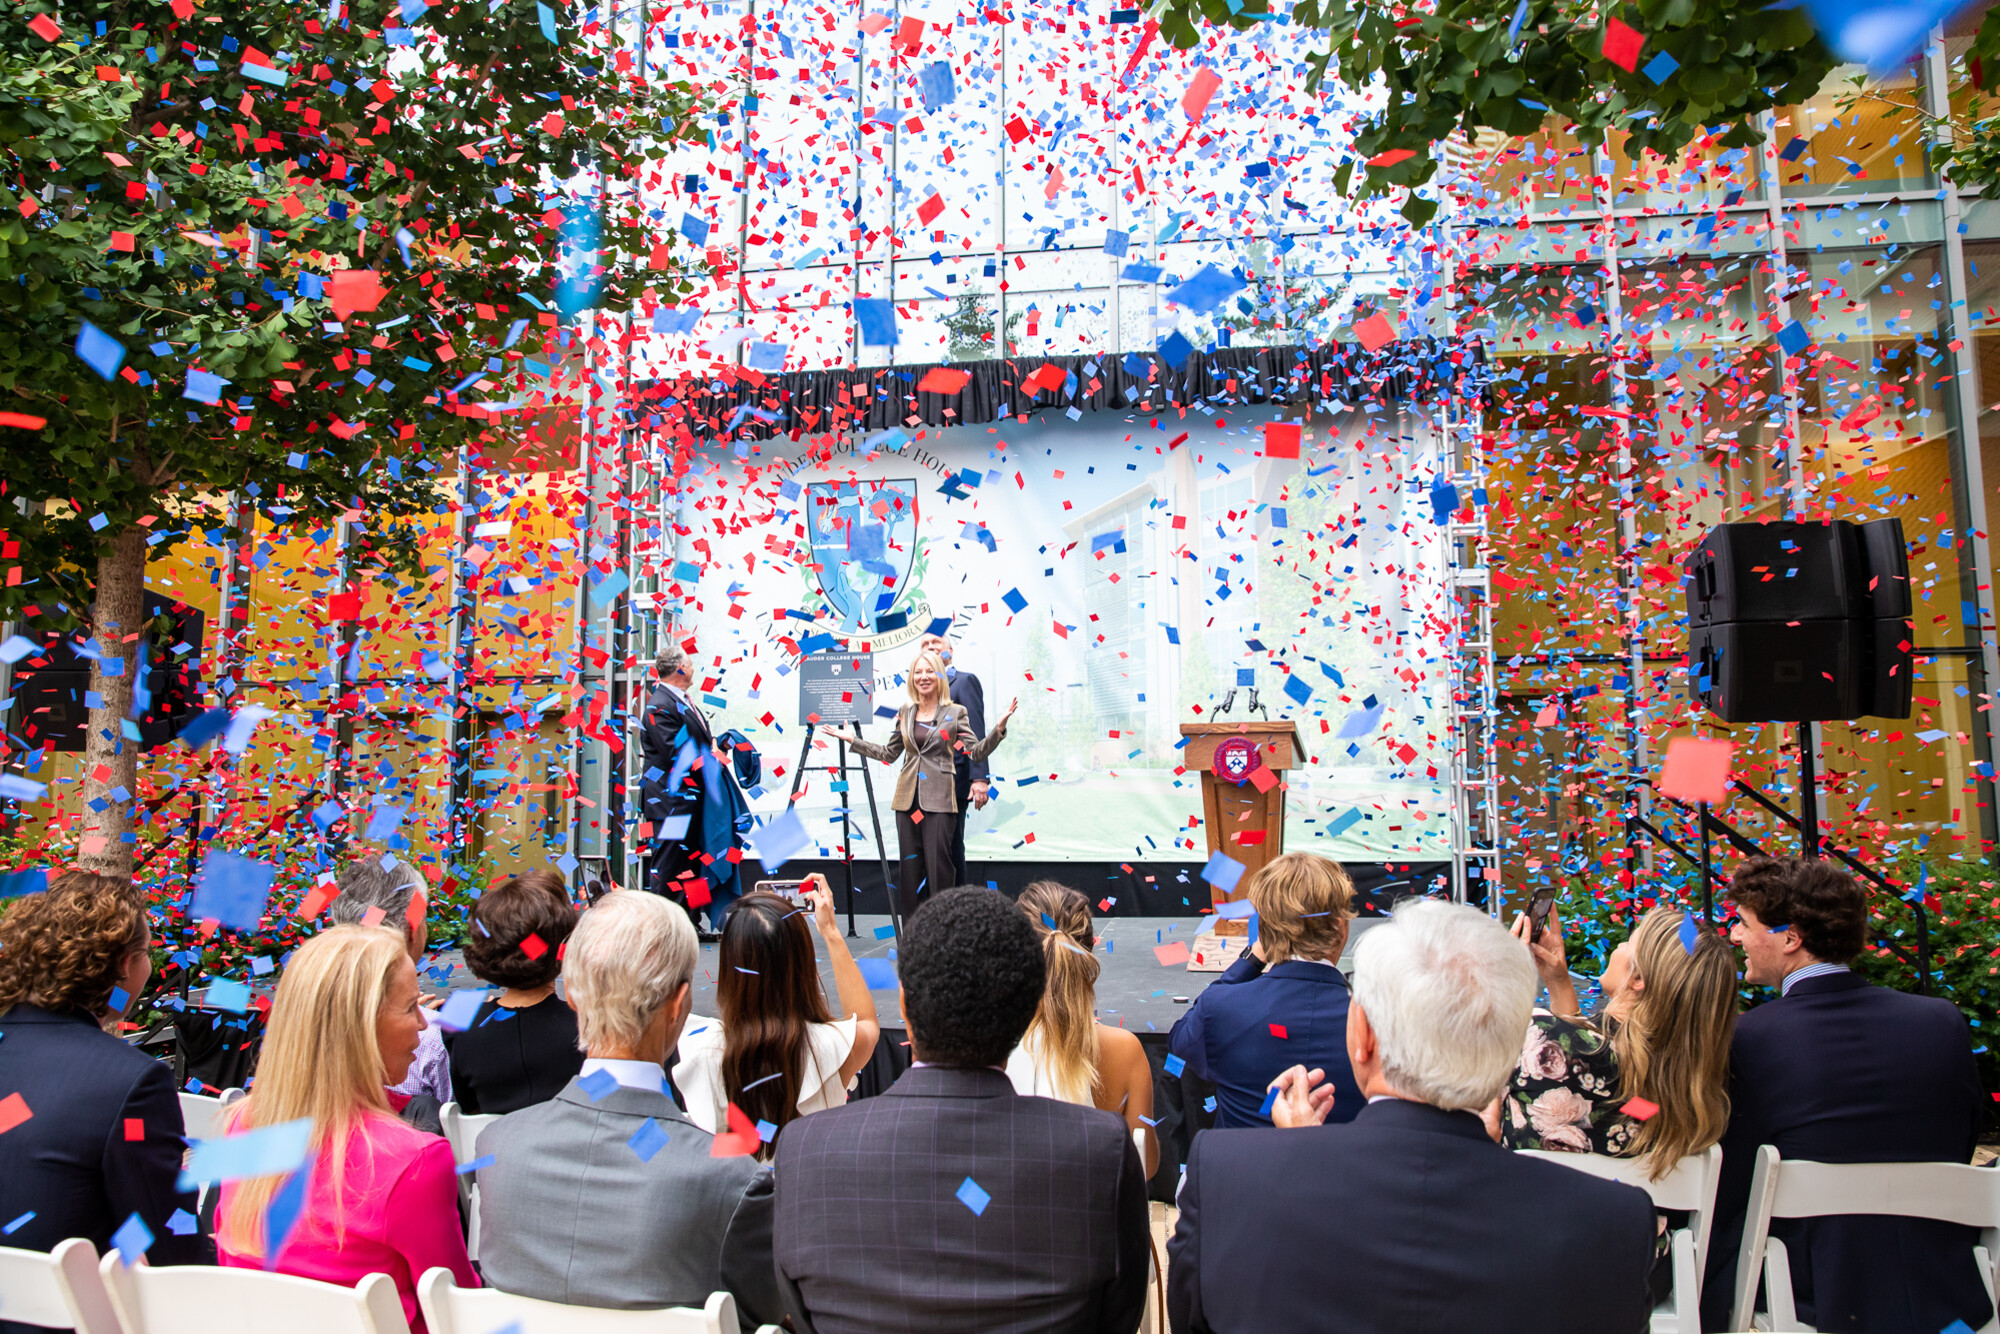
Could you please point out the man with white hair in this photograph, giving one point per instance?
(608, 1195)
(1410, 1217)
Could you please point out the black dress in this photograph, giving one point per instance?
(510, 1059)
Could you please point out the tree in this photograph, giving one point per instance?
(195, 206)
(1507, 65)
(969, 329)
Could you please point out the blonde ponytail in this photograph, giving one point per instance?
(1064, 1031)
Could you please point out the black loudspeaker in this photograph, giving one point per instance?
(1800, 622)
(50, 688)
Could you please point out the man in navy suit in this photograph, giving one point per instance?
(973, 789)
(950, 1202)
(1283, 1003)
(1409, 1220)
(1839, 1071)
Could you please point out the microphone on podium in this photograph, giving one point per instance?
(1228, 702)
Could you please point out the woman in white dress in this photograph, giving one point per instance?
(776, 1052)
(1066, 1054)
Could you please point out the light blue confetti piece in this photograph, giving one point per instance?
(228, 994)
(597, 1083)
(483, 1160)
(462, 1007)
(877, 318)
(1661, 67)
(183, 1224)
(268, 1151)
(972, 1197)
(548, 18)
(879, 974)
(885, 932)
(99, 350)
(1222, 871)
(767, 1131)
(133, 1239)
(648, 1140)
(1173, 1065)
(19, 1223)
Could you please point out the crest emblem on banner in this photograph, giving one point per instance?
(864, 542)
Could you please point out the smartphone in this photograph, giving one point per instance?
(794, 890)
(1538, 912)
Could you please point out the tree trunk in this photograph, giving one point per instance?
(110, 758)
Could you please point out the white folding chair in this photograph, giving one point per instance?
(208, 1299)
(1795, 1188)
(1153, 1318)
(1690, 1187)
(57, 1290)
(461, 1131)
(450, 1309)
(199, 1112)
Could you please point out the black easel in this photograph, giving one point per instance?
(847, 828)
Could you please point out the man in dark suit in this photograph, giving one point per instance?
(973, 787)
(1839, 1071)
(1410, 1218)
(950, 1202)
(676, 736)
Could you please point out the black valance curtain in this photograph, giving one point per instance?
(758, 406)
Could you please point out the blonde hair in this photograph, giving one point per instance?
(321, 1059)
(1303, 903)
(629, 954)
(1673, 1050)
(908, 719)
(1064, 1029)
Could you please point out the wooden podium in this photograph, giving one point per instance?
(1256, 808)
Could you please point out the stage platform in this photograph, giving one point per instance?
(1133, 990)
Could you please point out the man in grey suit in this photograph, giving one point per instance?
(607, 1195)
(950, 1202)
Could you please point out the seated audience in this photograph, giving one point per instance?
(520, 1048)
(1284, 1003)
(950, 1202)
(1066, 1053)
(382, 1196)
(1838, 1071)
(1663, 1037)
(73, 959)
(776, 1052)
(397, 891)
(606, 1195)
(1410, 1217)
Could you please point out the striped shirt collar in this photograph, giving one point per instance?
(1811, 970)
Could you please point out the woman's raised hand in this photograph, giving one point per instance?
(1012, 705)
(821, 896)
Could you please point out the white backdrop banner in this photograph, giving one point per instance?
(1120, 574)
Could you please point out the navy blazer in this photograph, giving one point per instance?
(1840, 1071)
(877, 1225)
(968, 694)
(1410, 1220)
(1226, 1037)
(71, 1163)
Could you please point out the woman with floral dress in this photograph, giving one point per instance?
(1650, 1077)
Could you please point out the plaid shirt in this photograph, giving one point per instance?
(430, 1072)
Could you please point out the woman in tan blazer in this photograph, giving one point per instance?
(929, 732)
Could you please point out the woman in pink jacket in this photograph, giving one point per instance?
(382, 1196)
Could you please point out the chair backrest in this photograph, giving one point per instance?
(1798, 1188)
(1950, 1192)
(199, 1112)
(1689, 1187)
(58, 1290)
(450, 1309)
(462, 1130)
(206, 1299)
